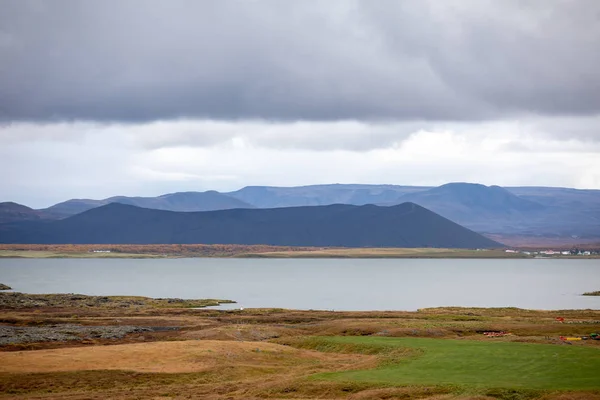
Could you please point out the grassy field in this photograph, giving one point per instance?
(477, 363)
(430, 354)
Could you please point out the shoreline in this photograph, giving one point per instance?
(162, 251)
(350, 253)
(15, 300)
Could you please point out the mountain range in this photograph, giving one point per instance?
(181, 201)
(340, 225)
(493, 210)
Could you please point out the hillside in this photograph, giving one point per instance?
(479, 207)
(551, 213)
(181, 201)
(534, 213)
(10, 212)
(404, 225)
(321, 195)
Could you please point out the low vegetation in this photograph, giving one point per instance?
(17, 300)
(253, 251)
(596, 293)
(387, 253)
(476, 363)
(164, 350)
(141, 251)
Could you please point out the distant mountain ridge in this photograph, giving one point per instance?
(489, 199)
(181, 201)
(320, 195)
(404, 225)
(514, 211)
(11, 212)
(476, 206)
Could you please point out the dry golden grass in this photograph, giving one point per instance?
(200, 369)
(165, 357)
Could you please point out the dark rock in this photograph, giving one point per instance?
(63, 333)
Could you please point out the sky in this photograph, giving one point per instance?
(146, 97)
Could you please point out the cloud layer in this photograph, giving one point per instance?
(135, 60)
(143, 97)
(53, 162)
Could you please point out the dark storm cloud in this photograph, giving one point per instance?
(312, 60)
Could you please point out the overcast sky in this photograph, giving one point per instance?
(101, 98)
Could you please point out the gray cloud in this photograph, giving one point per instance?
(386, 60)
(304, 135)
(48, 163)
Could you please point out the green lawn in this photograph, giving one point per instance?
(478, 363)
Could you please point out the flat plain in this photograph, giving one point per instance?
(254, 251)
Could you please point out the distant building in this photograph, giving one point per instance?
(549, 252)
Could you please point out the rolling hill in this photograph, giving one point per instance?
(321, 195)
(404, 225)
(11, 212)
(535, 212)
(181, 201)
(478, 207)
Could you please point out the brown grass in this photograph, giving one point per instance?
(165, 357)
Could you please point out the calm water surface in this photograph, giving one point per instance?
(338, 284)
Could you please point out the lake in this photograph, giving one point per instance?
(324, 284)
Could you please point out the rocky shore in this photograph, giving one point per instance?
(64, 332)
(15, 300)
(4, 287)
